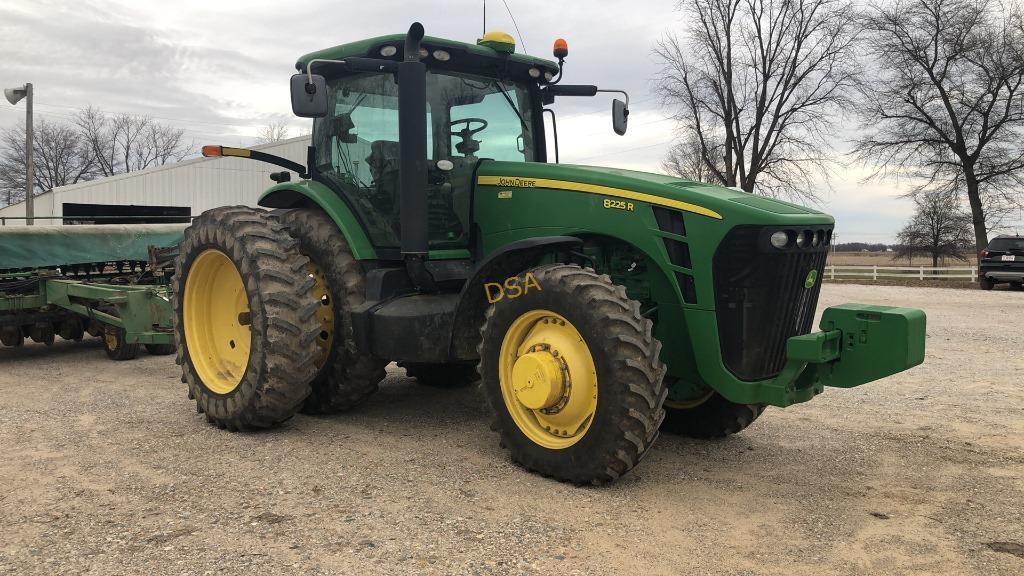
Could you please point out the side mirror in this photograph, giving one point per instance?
(620, 116)
(309, 100)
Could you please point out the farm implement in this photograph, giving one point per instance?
(107, 281)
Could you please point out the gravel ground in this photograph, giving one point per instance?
(107, 469)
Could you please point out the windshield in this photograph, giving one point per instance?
(469, 118)
(1007, 245)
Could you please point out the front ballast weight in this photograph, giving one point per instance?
(857, 344)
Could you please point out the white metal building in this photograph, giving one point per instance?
(182, 189)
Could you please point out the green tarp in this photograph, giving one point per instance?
(50, 246)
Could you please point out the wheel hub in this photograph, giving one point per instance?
(538, 381)
(548, 379)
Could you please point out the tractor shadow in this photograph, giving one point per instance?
(404, 410)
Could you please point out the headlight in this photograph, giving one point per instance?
(803, 239)
(780, 239)
(442, 56)
(534, 73)
(388, 51)
(818, 237)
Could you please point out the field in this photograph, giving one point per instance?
(107, 469)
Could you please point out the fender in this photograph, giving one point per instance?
(311, 193)
(500, 264)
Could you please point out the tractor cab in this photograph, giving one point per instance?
(479, 102)
(469, 117)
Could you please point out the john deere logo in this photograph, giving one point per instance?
(812, 277)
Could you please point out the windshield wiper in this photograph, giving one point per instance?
(511, 105)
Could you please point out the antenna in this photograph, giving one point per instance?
(518, 33)
(485, 17)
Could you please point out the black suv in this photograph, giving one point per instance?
(1002, 261)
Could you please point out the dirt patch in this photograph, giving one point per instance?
(107, 469)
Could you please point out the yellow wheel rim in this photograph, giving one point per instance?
(548, 379)
(216, 314)
(110, 339)
(687, 404)
(324, 315)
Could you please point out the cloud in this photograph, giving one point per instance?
(220, 69)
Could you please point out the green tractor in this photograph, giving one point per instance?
(429, 228)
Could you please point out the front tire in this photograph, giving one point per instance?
(570, 371)
(244, 323)
(345, 376)
(713, 417)
(986, 283)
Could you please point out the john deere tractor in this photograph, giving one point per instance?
(431, 226)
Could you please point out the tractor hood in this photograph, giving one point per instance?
(709, 200)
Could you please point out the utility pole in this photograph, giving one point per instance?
(14, 95)
(30, 161)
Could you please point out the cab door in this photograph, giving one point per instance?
(472, 119)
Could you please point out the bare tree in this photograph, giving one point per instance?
(273, 132)
(127, 143)
(686, 161)
(939, 228)
(765, 78)
(62, 157)
(94, 126)
(947, 104)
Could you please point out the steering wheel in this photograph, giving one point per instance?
(467, 131)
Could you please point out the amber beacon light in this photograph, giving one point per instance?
(561, 48)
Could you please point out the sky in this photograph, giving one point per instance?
(219, 69)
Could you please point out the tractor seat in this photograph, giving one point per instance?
(383, 159)
(385, 169)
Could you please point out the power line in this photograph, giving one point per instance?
(170, 119)
(624, 151)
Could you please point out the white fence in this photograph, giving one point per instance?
(902, 272)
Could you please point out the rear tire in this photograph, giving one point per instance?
(716, 417)
(1016, 285)
(576, 314)
(986, 283)
(345, 376)
(441, 375)
(271, 288)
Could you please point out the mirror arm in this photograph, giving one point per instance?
(354, 63)
(613, 91)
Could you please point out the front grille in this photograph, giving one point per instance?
(762, 299)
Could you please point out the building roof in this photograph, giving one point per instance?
(147, 171)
